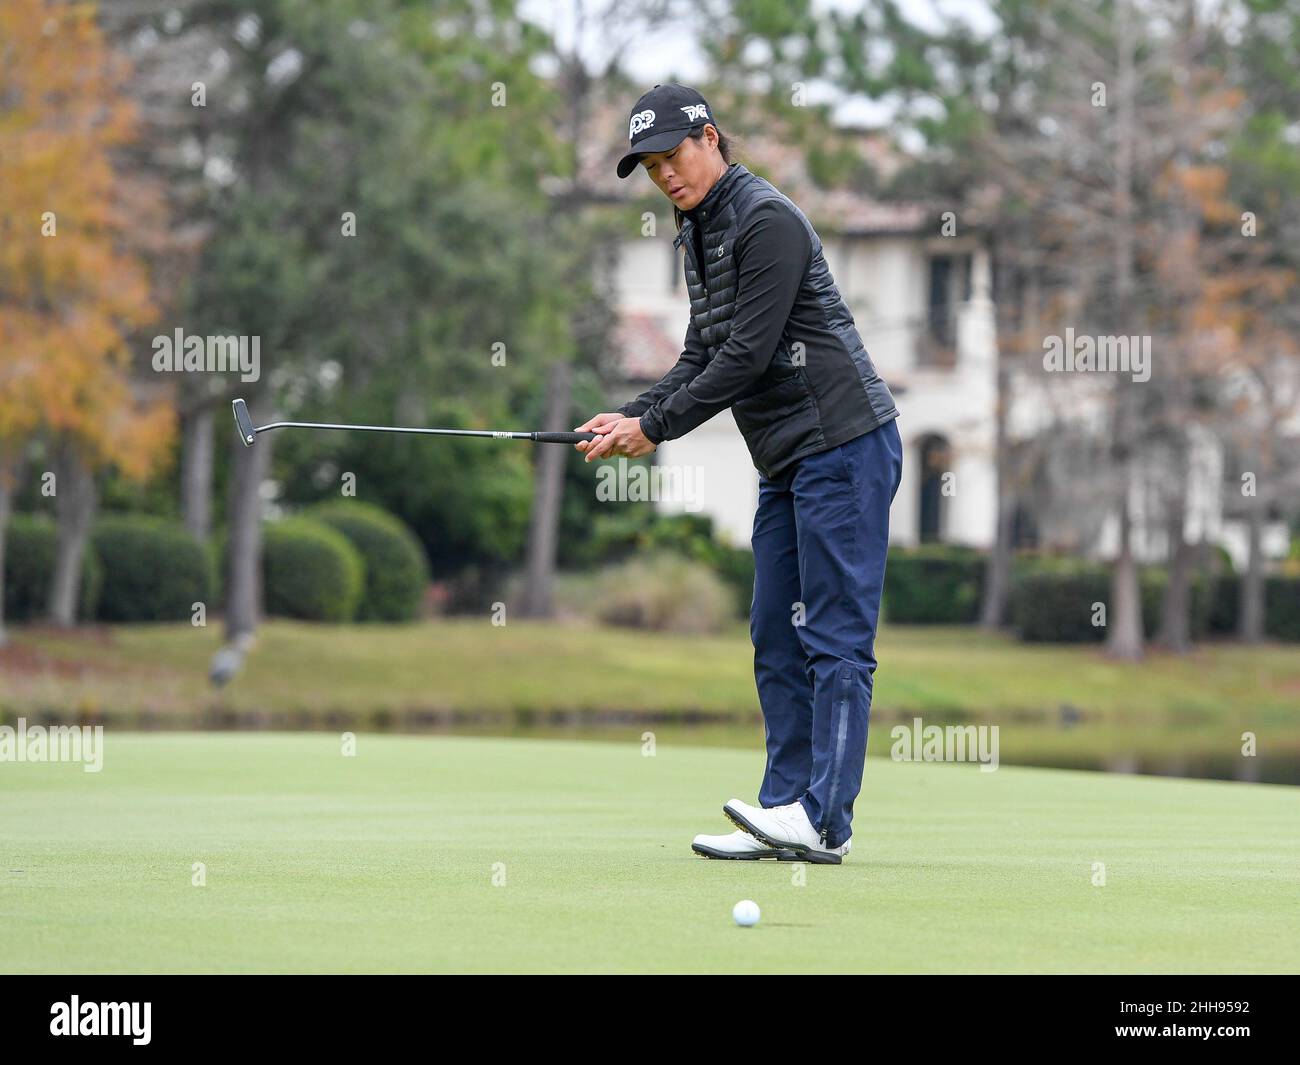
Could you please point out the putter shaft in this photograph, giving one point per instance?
(248, 431)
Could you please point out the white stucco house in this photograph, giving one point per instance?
(921, 302)
(919, 286)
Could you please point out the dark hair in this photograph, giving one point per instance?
(725, 148)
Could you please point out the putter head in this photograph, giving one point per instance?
(246, 431)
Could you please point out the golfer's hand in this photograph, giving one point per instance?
(618, 436)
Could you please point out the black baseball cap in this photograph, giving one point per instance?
(660, 121)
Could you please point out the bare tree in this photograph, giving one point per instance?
(244, 551)
(75, 498)
(197, 454)
(589, 51)
(170, 49)
(548, 495)
(1263, 421)
(1097, 158)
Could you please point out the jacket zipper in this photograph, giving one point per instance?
(699, 266)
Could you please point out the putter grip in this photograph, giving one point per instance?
(562, 438)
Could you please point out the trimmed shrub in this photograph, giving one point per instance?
(935, 584)
(396, 568)
(1052, 600)
(1054, 603)
(1152, 584)
(621, 536)
(615, 534)
(1225, 606)
(691, 535)
(735, 566)
(310, 571)
(1223, 559)
(1203, 588)
(30, 546)
(154, 570)
(663, 592)
(92, 582)
(1282, 608)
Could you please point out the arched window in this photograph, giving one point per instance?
(936, 460)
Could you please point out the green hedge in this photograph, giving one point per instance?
(1056, 606)
(1053, 603)
(624, 535)
(935, 584)
(1225, 606)
(1154, 581)
(1052, 600)
(1281, 607)
(310, 571)
(691, 535)
(30, 546)
(154, 570)
(396, 568)
(663, 592)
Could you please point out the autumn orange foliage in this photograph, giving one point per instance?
(71, 286)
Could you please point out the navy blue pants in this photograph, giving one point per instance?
(820, 537)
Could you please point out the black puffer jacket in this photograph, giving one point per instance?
(770, 337)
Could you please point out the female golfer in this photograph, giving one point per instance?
(770, 337)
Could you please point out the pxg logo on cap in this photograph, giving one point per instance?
(660, 121)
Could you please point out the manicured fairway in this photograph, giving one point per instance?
(386, 861)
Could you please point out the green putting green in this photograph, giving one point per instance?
(460, 854)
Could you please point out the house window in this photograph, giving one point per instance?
(940, 301)
(949, 283)
(1024, 529)
(936, 460)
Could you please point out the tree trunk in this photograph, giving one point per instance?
(548, 494)
(196, 471)
(1176, 605)
(244, 549)
(74, 508)
(1124, 624)
(997, 580)
(1250, 624)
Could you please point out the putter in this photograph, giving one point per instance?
(248, 431)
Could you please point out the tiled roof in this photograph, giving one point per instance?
(648, 350)
(842, 210)
(647, 344)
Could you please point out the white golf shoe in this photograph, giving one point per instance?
(785, 827)
(738, 846)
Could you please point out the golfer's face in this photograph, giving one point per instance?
(684, 174)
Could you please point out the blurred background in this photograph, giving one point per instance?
(401, 212)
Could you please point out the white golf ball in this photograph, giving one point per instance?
(745, 913)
